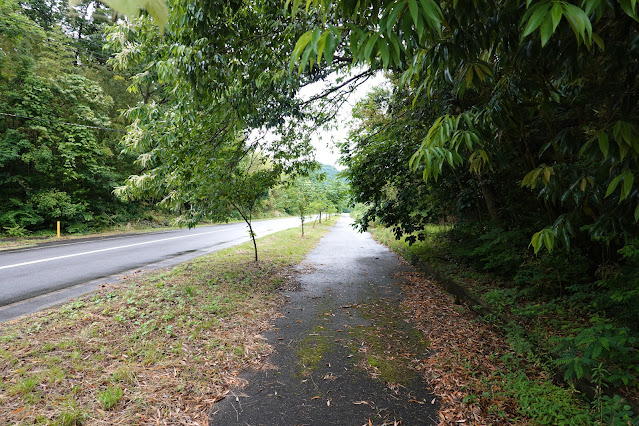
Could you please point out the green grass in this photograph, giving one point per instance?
(169, 342)
(110, 397)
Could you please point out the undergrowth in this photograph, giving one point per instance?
(550, 315)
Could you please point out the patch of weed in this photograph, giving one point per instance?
(110, 397)
(545, 402)
(71, 415)
(124, 375)
(25, 386)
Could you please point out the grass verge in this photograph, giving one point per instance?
(158, 348)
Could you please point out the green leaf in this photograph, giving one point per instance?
(450, 158)
(329, 49)
(535, 20)
(156, 8)
(531, 178)
(637, 213)
(315, 37)
(591, 5)
(546, 30)
(485, 68)
(599, 41)
(536, 241)
(565, 238)
(626, 132)
(578, 20)
(623, 150)
(414, 11)
(300, 46)
(556, 13)
(604, 144)
(296, 6)
(419, 27)
(629, 7)
(396, 49)
(549, 239)
(433, 13)
(321, 44)
(469, 76)
(613, 185)
(394, 15)
(368, 50)
(628, 180)
(382, 46)
(305, 56)
(616, 132)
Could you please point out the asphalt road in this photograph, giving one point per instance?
(37, 277)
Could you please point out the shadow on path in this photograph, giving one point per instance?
(343, 351)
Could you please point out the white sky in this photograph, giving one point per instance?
(323, 140)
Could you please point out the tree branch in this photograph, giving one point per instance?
(365, 75)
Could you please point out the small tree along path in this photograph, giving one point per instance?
(344, 353)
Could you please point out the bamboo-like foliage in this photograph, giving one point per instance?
(551, 82)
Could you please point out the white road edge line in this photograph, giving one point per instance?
(107, 249)
(105, 238)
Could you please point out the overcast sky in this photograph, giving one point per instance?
(323, 140)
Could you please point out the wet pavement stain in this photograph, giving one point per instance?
(344, 355)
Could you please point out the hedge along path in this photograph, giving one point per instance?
(155, 348)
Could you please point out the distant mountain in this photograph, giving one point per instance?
(330, 171)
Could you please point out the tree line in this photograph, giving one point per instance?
(66, 76)
(516, 123)
(59, 119)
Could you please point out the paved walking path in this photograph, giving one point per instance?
(342, 347)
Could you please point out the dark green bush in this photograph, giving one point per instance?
(614, 348)
(552, 273)
(492, 249)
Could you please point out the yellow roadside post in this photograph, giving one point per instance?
(58, 229)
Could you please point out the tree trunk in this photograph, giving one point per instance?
(248, 219)
(253, 238)
(489, 198)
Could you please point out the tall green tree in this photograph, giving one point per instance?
(570, 122)
(221, 71)
(60, 155)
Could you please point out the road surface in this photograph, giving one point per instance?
(37, 277)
